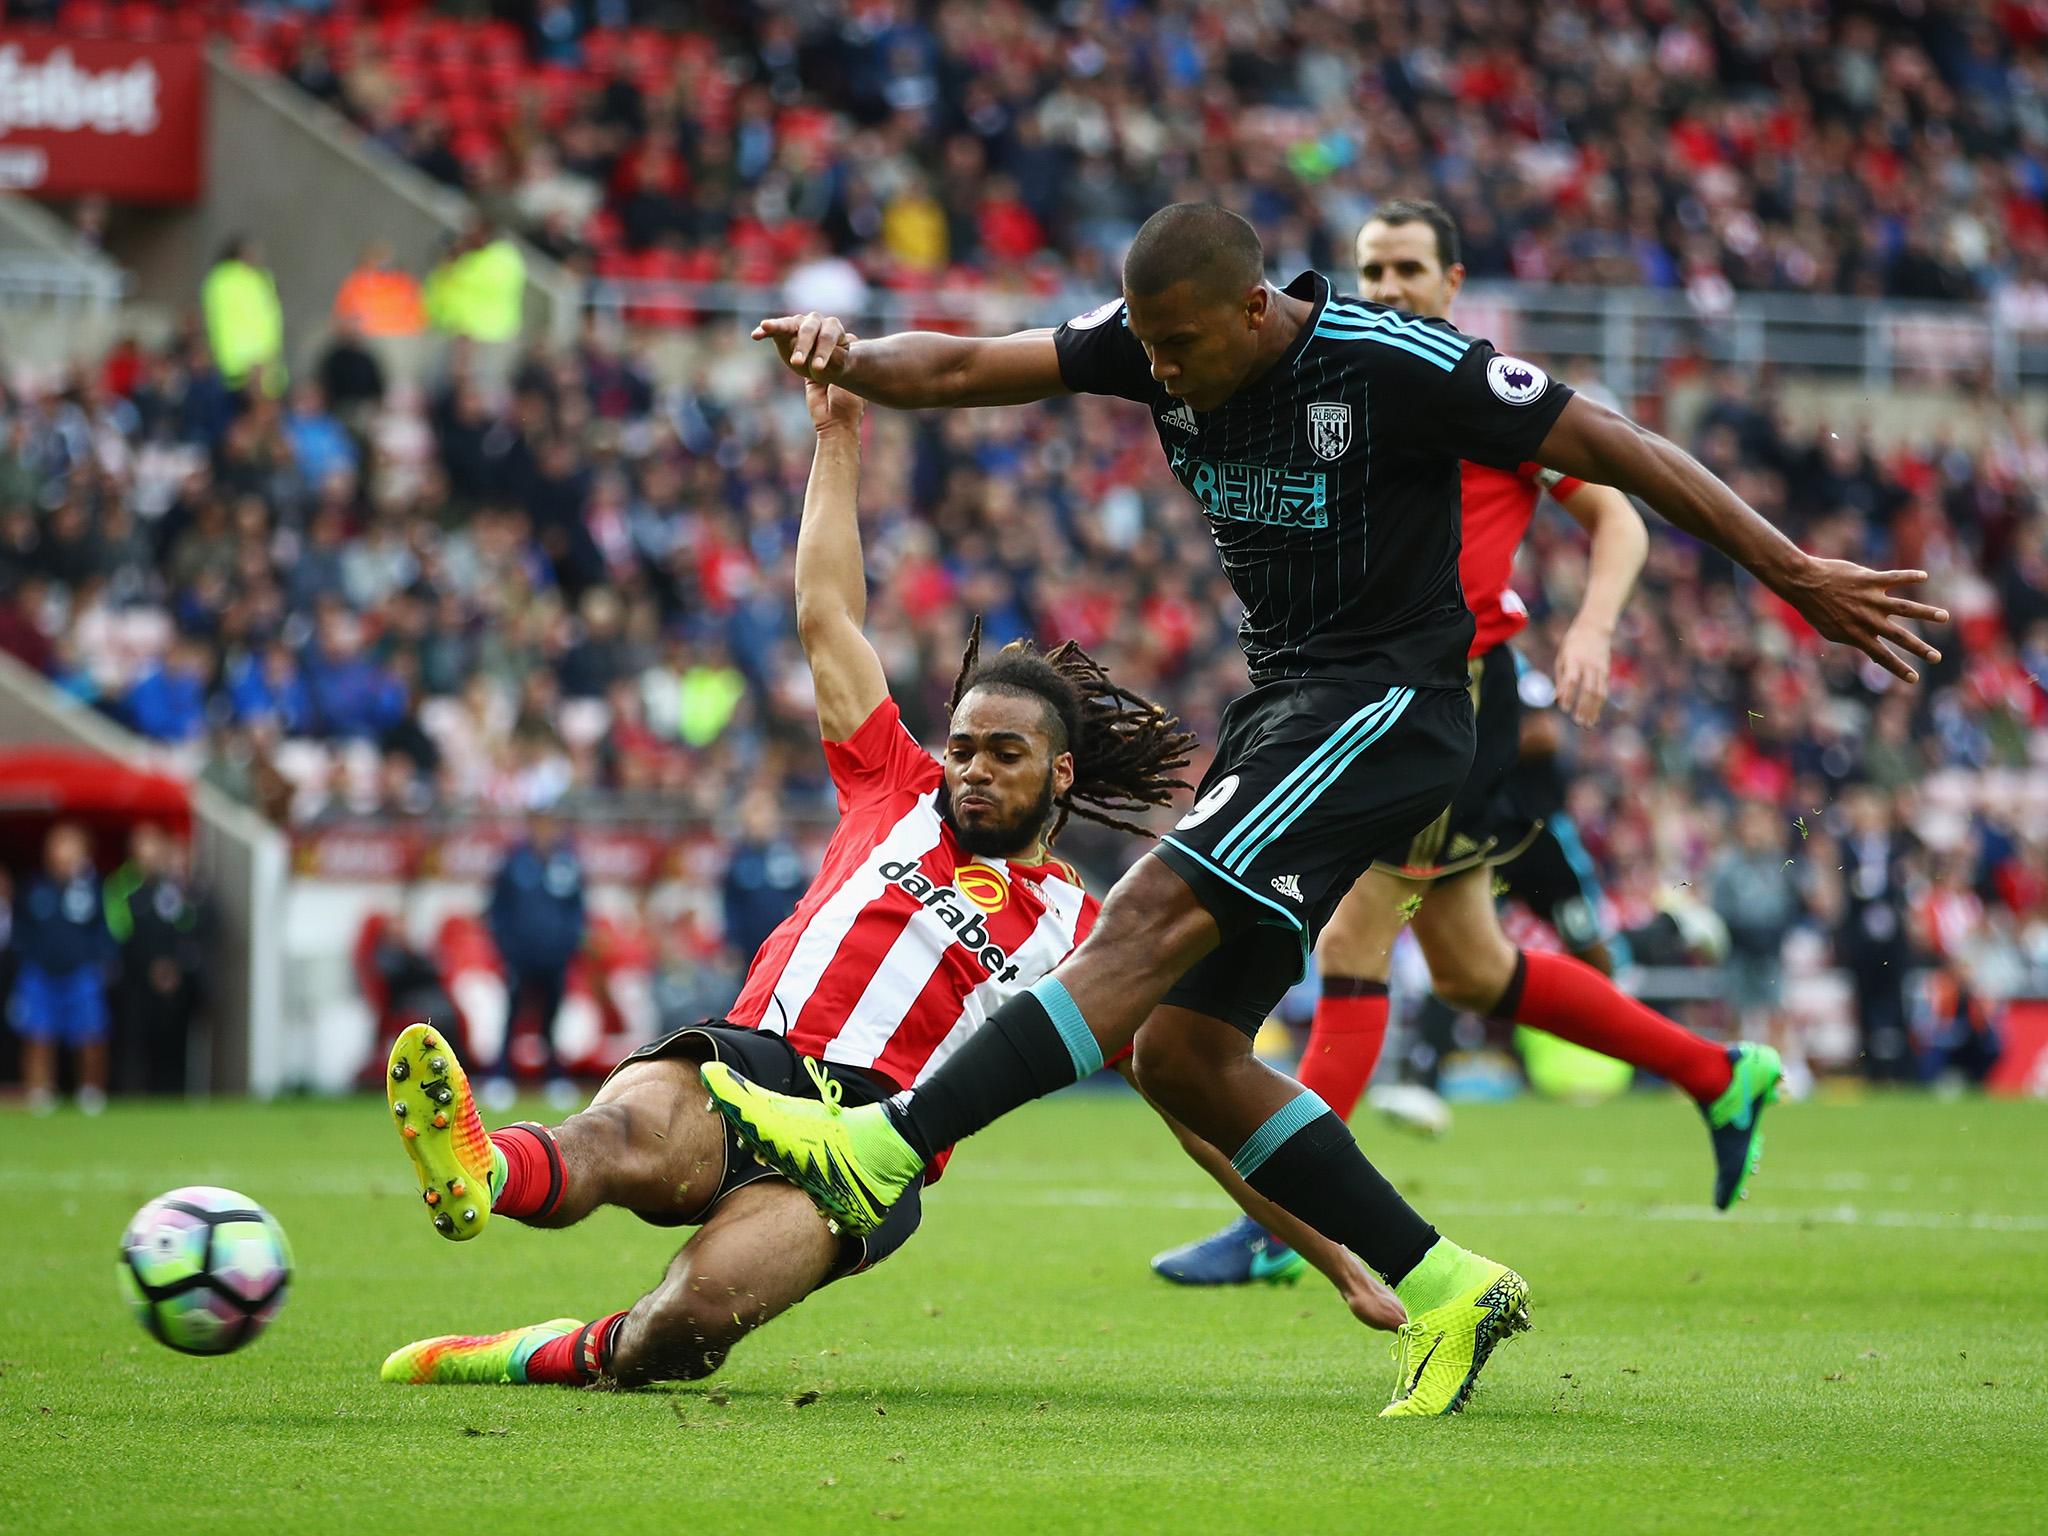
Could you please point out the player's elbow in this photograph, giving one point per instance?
(1602, 447)
(819, 615)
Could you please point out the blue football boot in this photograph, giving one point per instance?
(1242, 1252)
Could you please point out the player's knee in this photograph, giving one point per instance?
(1151, 923)
(1475, 982)
(601, 1128)
(1174, 1071)
(1358, 940)
(684, 1337)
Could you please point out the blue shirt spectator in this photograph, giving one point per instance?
(268, 686)
(320, 444)
(347, 692)
(168, 702)
(61, 925)
(536, 914)
(764, 879)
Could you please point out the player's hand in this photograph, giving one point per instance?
(832, 407)
(1853, 605)
(1372, 1303)
(816, 346)
(1584, 663)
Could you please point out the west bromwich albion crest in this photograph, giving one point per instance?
(1329, 429)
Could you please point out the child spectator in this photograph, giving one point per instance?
(60, 992)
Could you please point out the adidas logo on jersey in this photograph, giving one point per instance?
(1182, 416)
(1288, 886)
(956, 912)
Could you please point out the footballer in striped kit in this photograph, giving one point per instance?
(939, 899)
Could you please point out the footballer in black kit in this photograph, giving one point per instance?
(1322, 436)
(1330, 485)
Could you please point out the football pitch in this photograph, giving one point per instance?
(1864, 1344)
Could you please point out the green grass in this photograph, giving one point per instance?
(1865, 1344)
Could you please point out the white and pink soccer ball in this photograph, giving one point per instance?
(205, 1269)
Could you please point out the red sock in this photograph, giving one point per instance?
(534, 1179)
(1344, 1041)
(576, 1358)
(1573, 1001)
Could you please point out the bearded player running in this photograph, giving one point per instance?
(1322, 438)
(1442, 888)
(939, 898)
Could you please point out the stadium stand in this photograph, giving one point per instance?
(1878, 149)
(471, 601)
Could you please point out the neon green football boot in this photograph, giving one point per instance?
(1460, 1306)
(1735, 1120)
(851, 1162)
(458, 1167)
(483, 1359)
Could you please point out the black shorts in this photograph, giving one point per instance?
(1311, 776)
(771, 1061)
(1478, 826)
(1554, 878)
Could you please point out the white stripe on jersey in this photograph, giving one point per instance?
(916, 834)
(1050, 943)
(896, 984)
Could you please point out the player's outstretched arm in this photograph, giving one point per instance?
(1620, 545)
(831, 578)
(913, 370)
(1846, 602)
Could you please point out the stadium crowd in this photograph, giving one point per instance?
(344, 597)
(583, 589)
(1884, 148)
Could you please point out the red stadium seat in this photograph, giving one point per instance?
(88, 18)
(473, 146)
(601, 51)
(467, 113)
(499, 40)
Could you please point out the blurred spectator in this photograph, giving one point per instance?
(168, 701)
(60, 989)
(1754, 892)
(1960, 1034)
(320, 445)
(479, 290)
(244, 320)
(379, 298)
(537, 920)
(156, 922)
(265, 685)
(348, 694)
(1873, 938)
(764, 876)
(239, 763)
(350, 375)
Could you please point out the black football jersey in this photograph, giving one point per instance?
(1330, 482)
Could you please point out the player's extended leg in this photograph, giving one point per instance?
(856, 1163)
(1473, 966)
(646, 1142)
(1353, 954)
(1289, 1244)
(1459, 1304)
(762, 1250)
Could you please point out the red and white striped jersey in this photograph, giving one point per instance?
(905, 942)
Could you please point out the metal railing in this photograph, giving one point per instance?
(1631, 335)
(43, 279)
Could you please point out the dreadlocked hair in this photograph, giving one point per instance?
(1126, 748)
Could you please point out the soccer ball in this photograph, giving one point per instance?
(205, 1269)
